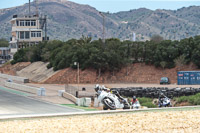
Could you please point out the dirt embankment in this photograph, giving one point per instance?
(36, 72)
(135, 73)
(12, 69)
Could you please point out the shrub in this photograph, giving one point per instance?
(194, 99)
(181, 99)
(144, 100)
(149, 105)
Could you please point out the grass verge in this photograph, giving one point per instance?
(193, 99)
(14, 91)
(79, 107)
(144, 101)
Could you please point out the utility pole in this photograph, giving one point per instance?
(77, 64)
(45, 18)
(103, 34)
(36, 7)
(186, 34)
(29, 8)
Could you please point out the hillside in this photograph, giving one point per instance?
(68, 20)
(135, 73)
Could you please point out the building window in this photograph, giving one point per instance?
(27, 22)
(21, 34)
(36, 34)
(17, 23)
(33, 23)
(27, 35)
(24, 34)
(21, 22)
(39, 34)
(32, 33)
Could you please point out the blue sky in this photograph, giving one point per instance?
(119, 5)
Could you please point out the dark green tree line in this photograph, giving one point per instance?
(113, 55)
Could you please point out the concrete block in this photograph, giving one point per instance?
(97, 103)
(86, 102)
(43, 91)
(78, 102)
(39, 92)
(60, 92)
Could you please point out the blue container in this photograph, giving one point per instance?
(198, 78)
(188, 78)
(180, 78)
(192, 78)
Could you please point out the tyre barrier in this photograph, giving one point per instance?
(153, 92)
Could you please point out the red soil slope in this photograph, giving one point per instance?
(135, 73)
(11, 69)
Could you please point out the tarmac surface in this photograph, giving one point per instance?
(13, 104)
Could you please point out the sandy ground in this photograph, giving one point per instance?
(143, 122)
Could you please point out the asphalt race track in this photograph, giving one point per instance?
(12, 104)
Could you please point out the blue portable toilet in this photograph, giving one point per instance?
(186, 78)
(192, 78)
(198, 77)
(180, 78)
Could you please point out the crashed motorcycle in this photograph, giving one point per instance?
(164, 101)
(111, 100)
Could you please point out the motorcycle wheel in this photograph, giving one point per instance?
(105, 108)
(126, 107)
(108, 105)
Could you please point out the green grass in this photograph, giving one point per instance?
(193, 99)
(144, 101)
(79, 107)
(14, 91)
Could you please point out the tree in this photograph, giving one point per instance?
(180, 61)
(157, 38)
(163, 64)
(4, 43)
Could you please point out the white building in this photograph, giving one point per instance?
(26, 31)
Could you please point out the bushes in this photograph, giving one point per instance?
(149, 105)
(194, 99)
(144, 100)
(112, 55)
(147, 102)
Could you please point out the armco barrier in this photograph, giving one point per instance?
(34, 90)
(15, 78)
